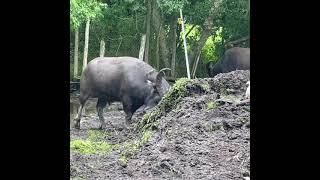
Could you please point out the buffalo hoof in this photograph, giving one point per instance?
(102, 126)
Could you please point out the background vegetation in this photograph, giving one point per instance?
(211, 26)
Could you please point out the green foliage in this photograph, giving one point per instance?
(123, 22)
(209, 51)
(197, 11)
(235, 19)
(172, 6)
(81, 10)
(193, 36)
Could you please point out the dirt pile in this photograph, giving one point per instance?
(205, 135)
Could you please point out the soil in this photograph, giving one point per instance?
(192, 141)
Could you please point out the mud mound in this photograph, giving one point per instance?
(231, 83)
(194, 135)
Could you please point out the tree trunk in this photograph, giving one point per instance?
(146, 52)
(102, 48)
(163, 48)
(142, 45)
(76, 54)
(207, 28)
(156, 19)
(174, 46)
(198, 47)
(86, 44)
(157, 49)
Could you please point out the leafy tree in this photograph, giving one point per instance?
(210, 26)
(83, 11)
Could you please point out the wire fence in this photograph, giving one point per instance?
(121, 37)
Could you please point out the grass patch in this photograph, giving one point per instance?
(211, 105)
(92, 145)
(89, 147)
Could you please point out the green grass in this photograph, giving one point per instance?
(211, 105)
(92, 145)
(89, 147)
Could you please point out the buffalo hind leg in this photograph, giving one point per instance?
(101, 104)
(82, 100)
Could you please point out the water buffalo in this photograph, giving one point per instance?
(233, 59)
(125, 79)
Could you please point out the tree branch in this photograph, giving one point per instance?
(180, 42)
(228, 44)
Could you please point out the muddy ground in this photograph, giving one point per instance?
(197, 139)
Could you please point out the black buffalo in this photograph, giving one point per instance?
(233, 59)
(125, 79)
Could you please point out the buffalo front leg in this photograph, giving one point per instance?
(127, 109)
(101, 104)
(128, 117)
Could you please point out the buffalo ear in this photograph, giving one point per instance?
(158, 83)
(159, 77)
